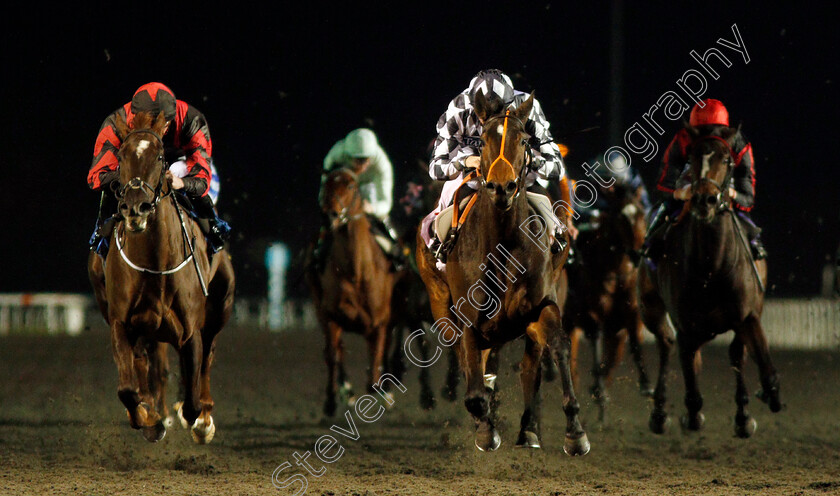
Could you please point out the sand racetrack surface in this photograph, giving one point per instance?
(63, 430)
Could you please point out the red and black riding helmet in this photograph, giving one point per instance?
(154, 98)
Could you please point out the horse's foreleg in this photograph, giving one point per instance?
(690, 361)
(477, 399)
(376, 342)
(427, 397)
(530, 378)
(653, 315)
(332, 351)
(752, 334)
(598, 389)
(140, 414)
(576, 442)
(96, 275)
(160, 371)
(744, 424)
(190, 355)
(634, 336)
(203, 429)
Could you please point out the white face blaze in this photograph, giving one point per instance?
(500, 129)
(141, 147)
(706, 166)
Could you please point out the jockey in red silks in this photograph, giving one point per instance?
(674, 185)
(187, 148)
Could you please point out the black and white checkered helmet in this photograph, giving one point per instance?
(494, 84)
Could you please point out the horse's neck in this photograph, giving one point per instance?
(353, 245)
(501, 226)
(712, 246)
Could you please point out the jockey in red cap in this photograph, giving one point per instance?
(186, 142)
(708, 116)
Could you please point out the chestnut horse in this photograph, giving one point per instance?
(149, 290)
(706, 283)
(499, 284)
(353, 292)
(602, 300)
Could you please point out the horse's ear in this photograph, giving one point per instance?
(693, 132)
(122, 126)
(480, 105)
(159, 124)
(524, 109)
(730, 134)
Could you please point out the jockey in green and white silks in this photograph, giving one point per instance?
(361, 152)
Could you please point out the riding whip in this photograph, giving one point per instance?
(190, 245)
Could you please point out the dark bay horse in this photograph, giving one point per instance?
(353, 292)
(149, 290)
(706, 283)
(602, 300)
(499, 284)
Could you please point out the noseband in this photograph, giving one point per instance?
(138, 183)
(501, 157)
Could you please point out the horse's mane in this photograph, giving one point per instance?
(142, 120)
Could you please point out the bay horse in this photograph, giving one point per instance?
(353, 291)
(499, 284)
(149, 291)
(603, 301)
(706, 283)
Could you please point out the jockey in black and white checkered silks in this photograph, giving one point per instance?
(458, 143)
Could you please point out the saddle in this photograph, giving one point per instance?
(446, 225)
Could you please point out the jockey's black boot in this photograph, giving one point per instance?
(753, 233)
(217, 231)
(100, 240)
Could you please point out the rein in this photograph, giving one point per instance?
(143, 269)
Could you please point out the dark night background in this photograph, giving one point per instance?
(279, 85)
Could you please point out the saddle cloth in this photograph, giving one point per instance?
(540, 203)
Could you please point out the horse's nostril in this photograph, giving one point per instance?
(490, 185)
(145, 208)
(711, 200)
(123, 207)
(511, 186)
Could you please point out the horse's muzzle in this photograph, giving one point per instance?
(704, 206)
(136, 216)
(502, 195)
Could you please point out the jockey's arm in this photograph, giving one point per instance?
(383, 184)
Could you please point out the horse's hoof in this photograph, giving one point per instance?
(179, 407)
(201, 433)
(747, 430)
(488, 440)
(427, 401)
(528, 439)
(771, 398)
(169, 421)
(576, 446)
(692, 425)
(659, 424)
(345, 394)
(386, 399)
(450, 393)
(154, 433)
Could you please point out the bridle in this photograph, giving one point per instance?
(722, 196)
(138, 183)
(342, 217)
(501, 158)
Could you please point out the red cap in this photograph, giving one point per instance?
(712, 113)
